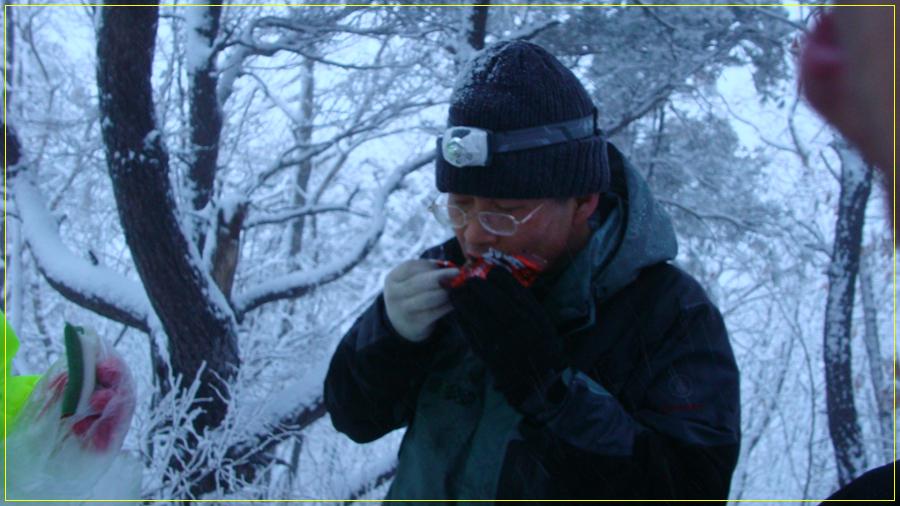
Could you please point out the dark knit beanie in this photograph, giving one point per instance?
(514, 85)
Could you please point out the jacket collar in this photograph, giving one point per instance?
(634, 232)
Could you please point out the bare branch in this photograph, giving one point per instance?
(650, 12)
(772, 15)
(657, 97)
(263, 218)
(802, 152)
(273, 22)
(299, 283)
(298, 48)
(756, 129)
(706, 215)
(533, 31)
(829, 167)
(663, 91)
(370, 124)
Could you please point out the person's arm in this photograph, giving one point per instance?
(681, 440)
(374, 376)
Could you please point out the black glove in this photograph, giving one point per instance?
(507, 327)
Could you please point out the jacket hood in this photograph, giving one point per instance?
(636, 233)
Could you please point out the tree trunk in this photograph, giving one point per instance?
(478, 24)
(303, 135)
(846, 436)
(198, 323)
(205, 114)
(472, 33)
(883, 401)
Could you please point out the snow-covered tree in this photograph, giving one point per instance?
(220, 190)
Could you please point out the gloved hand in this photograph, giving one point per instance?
(414, 299)
(511, 332)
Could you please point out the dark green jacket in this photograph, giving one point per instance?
(651, 409)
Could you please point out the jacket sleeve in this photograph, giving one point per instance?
(374, 377)
(677, 439)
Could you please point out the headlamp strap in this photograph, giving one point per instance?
(464, 146)
(544, 135)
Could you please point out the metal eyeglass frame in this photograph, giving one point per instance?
(516, 223)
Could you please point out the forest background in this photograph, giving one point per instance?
(228, 195)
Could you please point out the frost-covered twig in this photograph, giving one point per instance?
(263, 218)
(236, 452)
(707, 215)
(766, 12)
(298, 283)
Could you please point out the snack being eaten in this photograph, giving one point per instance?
(525, 268)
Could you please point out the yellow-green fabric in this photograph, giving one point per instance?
(15, 390)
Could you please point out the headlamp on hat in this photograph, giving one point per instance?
(463, 146)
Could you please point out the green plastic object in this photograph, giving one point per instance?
(14, 391)
(75, 362)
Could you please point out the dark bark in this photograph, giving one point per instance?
(12, 149)
(205, 120)
(846, 436)
(479, 25)
(198, 330)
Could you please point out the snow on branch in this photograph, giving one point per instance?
(293, 407)
(232, 68)
(199, 44)
(298, 283)
(93, 287)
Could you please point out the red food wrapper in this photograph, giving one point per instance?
(524, 268)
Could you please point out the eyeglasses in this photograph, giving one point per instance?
(455, 217)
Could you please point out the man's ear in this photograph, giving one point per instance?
(584, 208)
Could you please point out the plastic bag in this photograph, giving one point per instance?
(71, 427)
(524, 268)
